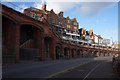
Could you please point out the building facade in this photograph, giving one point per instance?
(35, 36)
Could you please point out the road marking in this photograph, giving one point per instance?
(65, 70)
(91, 71)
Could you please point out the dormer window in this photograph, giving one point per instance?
(68, 26)
(75, 23)
(68, 21)
(33, 15)
(75, 28)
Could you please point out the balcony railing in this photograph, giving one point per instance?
(72, 34)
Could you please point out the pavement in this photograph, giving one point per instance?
(49, 69)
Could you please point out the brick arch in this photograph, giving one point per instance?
(31, 39)
(33, 24)
(22, 20)
(10, 18)
(59, 45)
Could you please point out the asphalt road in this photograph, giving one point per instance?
(99, 69)
(42, 69)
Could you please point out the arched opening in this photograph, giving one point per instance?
(78, 53)
(96, 54)
(26, 33)
(8, 40)
(99, 53)
(30, 37)
(48, 48)
(66, 52)
(73, 52)
(102, 53)
(89, 53)
(108, 54)
(84, 53)
(58, 53)
(81, 53)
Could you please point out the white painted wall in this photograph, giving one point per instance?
(96, 39)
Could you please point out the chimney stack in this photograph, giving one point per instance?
(43, 5)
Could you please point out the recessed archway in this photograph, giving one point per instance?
(74, 53)
(78, 53)
(48, 46)
(30, 37)
(66, 52)
(58, 52)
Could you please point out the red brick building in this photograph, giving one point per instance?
(51, 17)
(41, 35)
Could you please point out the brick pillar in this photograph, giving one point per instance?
(78, 53)
(62, 48)
(39, 38)
(52, 49)
(17, 42)
(74, 53)
(42, 49)
(67, 56)
(70, 55)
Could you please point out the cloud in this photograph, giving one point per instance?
(83, 8)
(21, 8)
(56, 6)
(63, 0)
(92, 8)
(60, 6)
(18, 7)
(37, 5)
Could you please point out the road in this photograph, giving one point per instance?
(99, 67)
(41, 69)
